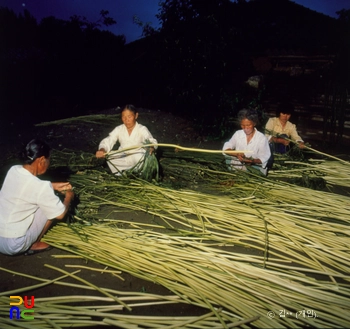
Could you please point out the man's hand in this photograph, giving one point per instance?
(250, 161)
(69, 195)
(240, 156)
(100, 153)
(61, 187)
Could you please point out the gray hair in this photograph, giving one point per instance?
(249, 114)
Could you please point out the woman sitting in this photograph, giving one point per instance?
(128, 134)
(279, 128)
(254, 144)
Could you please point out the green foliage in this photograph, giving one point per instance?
(150, 168)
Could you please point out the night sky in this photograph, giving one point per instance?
(123, 11)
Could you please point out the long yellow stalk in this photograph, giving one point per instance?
(177, 147)
(23, 289)
(219, 289)
(95, 287)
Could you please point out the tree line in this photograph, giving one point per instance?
(195, 64)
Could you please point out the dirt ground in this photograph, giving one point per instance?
(165, 127)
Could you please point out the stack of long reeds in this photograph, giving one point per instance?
(102, 308)
(260, 216)
(215, 278)
(186, 165)
(296, 255)
(333, 172)
(255, 248)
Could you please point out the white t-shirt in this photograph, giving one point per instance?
(22, 194)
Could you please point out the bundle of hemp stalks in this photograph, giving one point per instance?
(298, 256)
(103, 307)
(185, 165)
(210, 277)
(297, 235)
(332, 172)
(319, 219)
(313, 226)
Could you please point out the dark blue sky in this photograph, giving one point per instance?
(121, 10)
(124, 10)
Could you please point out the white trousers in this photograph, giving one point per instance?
(125, 161)
(12, 246)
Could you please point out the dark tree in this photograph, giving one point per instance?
(201, 51)
(57, 68)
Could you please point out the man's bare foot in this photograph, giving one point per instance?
(39, 246)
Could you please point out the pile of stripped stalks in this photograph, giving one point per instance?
(246, 249)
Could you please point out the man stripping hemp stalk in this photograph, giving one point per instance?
(128, 134)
